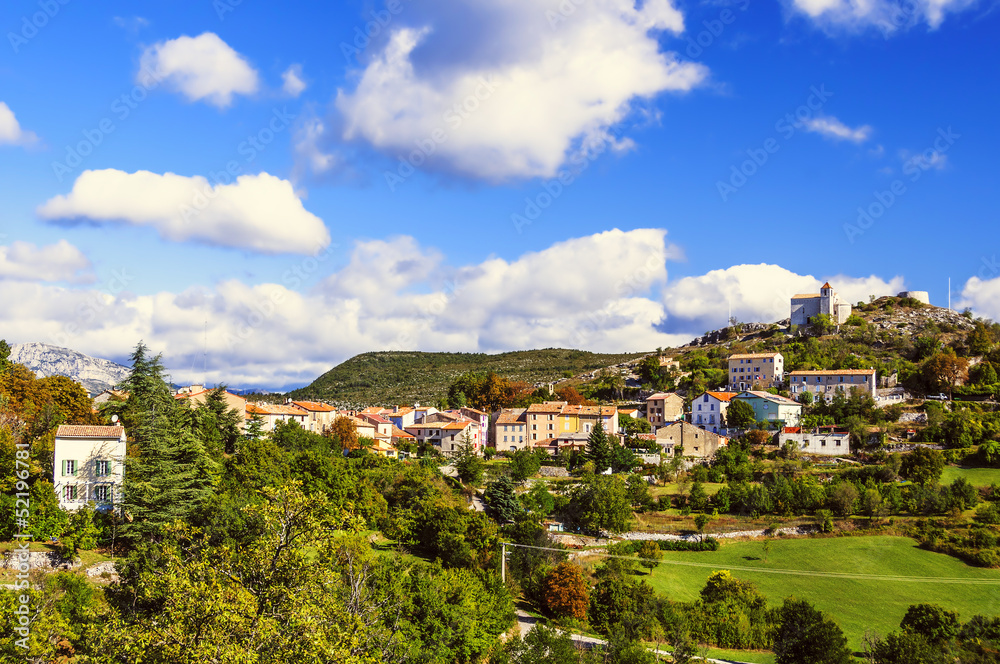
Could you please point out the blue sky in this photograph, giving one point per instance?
(481, 176)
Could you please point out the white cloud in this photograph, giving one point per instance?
(512, 88)
(757, 293)
(55, 262)
(886, 16)
(11, 132)
(309, 156)
(830, 127)
(201, 68)
(258, 212)
(982, 293)
(604, 292)
(925, 161)
(293, 83)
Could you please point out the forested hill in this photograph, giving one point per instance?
(404, 377)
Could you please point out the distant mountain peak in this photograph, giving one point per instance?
(94, 373)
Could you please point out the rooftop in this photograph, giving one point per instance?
(85, 431)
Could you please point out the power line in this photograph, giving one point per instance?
(791, 572)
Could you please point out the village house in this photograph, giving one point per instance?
(664, 407)
(563, 443)
(553, 418)
(708, 410)
(271, 414)
(772, 408)
(88, 466)
(747, 370)
(821, 440)
(824, 383)
(196, 395)
(447, 437)
(319, 416)
(807, 305)
(689, 439)
(510, 430)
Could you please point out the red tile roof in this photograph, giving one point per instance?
(315, 406)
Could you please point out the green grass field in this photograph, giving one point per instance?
(976, 476)
(856, 604)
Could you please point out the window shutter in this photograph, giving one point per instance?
(64, 467)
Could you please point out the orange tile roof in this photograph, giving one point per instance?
(399, 433)
(662, 395)
(547, 407)
(86, 431)
(805, 296)
(826, 285)
(721, 396)
(315, 406)
(752, 356)
(511, 416)
(274, 409)
(832, 372)
(457, 426)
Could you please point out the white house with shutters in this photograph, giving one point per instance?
(89, 466)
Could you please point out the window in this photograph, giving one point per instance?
(838, 443)
(103, 468)
(550, 417)
(551, 427)
(69, 468)
(534, 427)
(69, 492)
(505, 439)
(102, 493)
(822, 443)
(705, 399)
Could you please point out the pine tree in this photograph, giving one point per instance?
(168, 473)
(599, 448)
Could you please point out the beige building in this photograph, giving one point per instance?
(271, 414)
(824, 383)
(447, 437)
(510, 430)
(692, 441)
(89, 466)
(319, 416)
(821, 440)
(755, 369)
(663, 408)
(195, 395)
(554, 418)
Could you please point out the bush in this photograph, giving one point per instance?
(710, 544)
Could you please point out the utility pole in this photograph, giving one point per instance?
(503, 562)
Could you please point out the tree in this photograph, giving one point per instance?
(650, 553)
(822, 324)
(964, 496)
(922, 466)
(806, 636)
(501, 499)
(467, 462)
(601, 502)
(698, 497)
(599, 448)
(345, 432)
(523, 464)
(700, 522)
(946, 368)
(740, 415)
(622, 607)
(565, 592)
(842, 498)
(873, 504)
(806, 398)
(622, 459)
(931, 621)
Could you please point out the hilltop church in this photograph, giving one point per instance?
(826, 302)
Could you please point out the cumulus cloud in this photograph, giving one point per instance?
(202, 68)
(396, 294)
(756, 293)
(830, 127)
(512, 88)
(55, 262)
(982, 293)
(293, 85)
(11, 132)
(887, 16)
(260, 212)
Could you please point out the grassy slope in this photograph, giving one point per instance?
(976, 476)
(856, 604)
(388, 378)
